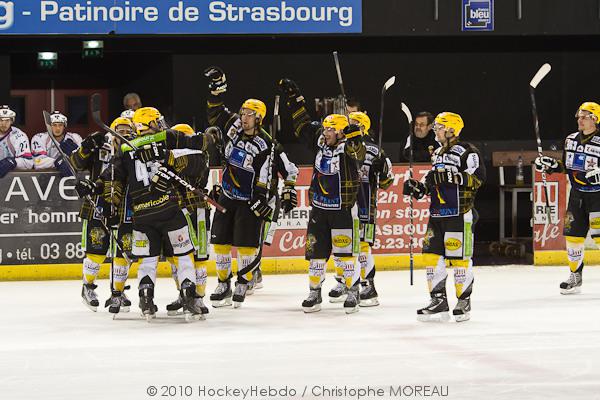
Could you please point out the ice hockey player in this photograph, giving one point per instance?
(158, 220)
(96, 156)
(198, 212)
(333, 226)
(45, 153)
(375, 173)
(14, 144)
(456, 174)
(580, 161)
(245, 182)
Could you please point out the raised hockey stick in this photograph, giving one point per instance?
(66, 159)
(409, 117)
(336, 60)
(384, 89)
(96, 106)
(540, 74)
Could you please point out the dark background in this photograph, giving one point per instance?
(482, 76)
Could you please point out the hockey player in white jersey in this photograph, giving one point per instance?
(45, 153)
(15, 152)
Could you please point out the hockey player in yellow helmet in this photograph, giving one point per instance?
(580, 161)
(184, 128)
(148, 120)
(361, 119)
(457, 173)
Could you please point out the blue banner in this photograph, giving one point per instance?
(31, 17)
(477, 15)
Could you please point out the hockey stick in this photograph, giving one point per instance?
(409, 117)
(96, 106)
(541, 74)
(384, 89)
(340, 81)
(66, 159)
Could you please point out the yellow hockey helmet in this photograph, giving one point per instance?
(122, 121)
(184, 128)
(143, 117)
(335, 121)
(257, 106)
(362, 119)
(591, 107)
(450, 120)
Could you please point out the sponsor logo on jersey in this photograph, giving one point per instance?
(592, 150)
(96, 236)
(141, 243)
(341, 241)
(452, 244)
(595, 223)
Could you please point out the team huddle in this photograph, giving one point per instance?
(146, 197)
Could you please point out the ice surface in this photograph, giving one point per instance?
(524, 341)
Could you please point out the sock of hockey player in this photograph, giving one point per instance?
(316, 276)
(436, 281)
(246, 255)
(463, 283)
(91, 267)
(222, 295)
(147, 281)
(201, 276)
(339, 293)
(368, 296)
(177, 304)
(352, 280)
(118, 301)
(575, 252)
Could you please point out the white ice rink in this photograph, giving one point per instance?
(524, 341)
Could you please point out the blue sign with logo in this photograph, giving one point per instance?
(31, 17)
(477, 15)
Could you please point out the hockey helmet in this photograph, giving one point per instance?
(449, 120)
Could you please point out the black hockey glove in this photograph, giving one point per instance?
(62, 166)
(290, 89)
(546, 164)
(86, 187)
(260, 206)
(414, 188)
(215, 193)
(218, 82)
(68, 146)
(93, 141)
(352, 131)
(289, 199)
(161, 181)
(6, 165)
(443, 176)
(150, 152)
(215, 134)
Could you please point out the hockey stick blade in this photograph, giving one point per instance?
(389, 83)
(407, 112)
(541, 74)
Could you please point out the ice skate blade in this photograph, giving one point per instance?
(189, 317)
(462, 317)
(237, 304)
(437, 317)
(351, 310)
(221, 303)
(258, 285)
(174, 313)
(313, 309)
(147, 317)
(369, 302)
(125, 308)
(250, 292)
(575, 290)
(340, 299)
(91, 307)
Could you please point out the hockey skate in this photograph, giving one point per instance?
(251, 285)
(437, 310)
(117, 302)
(573, 284)
(313, 301)
(239, 295)
(125, 302)
(258, 280)
(462, 310)
(89, 296)
(368, 296)
(352, 300)
(193, 306)
(339, 293)
(222, 295)
(174, 307)
(147, 306)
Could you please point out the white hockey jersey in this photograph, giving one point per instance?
(45, 152)
(15, 144)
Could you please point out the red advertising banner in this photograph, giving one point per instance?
(393, 218)
(549, 235)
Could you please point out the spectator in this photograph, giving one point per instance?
(14, 144)
(45, 153)
(424, 139)
(132, 101)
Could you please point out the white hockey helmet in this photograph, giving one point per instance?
(57, 118)
(128, 114)
(6, 112)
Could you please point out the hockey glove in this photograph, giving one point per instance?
(215, 134)
(161, 181)
(352, 131)
(62, 166)
(218, 82)
(7, 165)
(112, 192)
(414, 188)
(443, 176)
(593, 176)
(93, 142)
(87, 187)
(215, 193)
(289, 199)
(260, 207)
(546, 164)
(150, 152)
(290, 89)
(68, 146)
